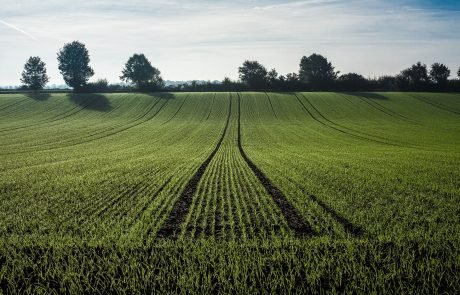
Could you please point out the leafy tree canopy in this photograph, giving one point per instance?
(317, 70)
(139, 70)
(254, 74)
(416, 74)
(352, 82)
(439, 73)
(34, 74)
(74, 61)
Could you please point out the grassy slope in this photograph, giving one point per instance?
(87, 180)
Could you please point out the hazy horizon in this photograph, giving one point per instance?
(208, 40)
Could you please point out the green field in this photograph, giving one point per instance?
(230, 193)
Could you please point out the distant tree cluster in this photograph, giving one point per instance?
(73, 60)
(316, 73)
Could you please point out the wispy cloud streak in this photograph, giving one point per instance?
(18, 29)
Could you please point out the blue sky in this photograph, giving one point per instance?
(206, 39)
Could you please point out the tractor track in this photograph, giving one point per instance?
(212, 104)
(271, 105)
(178, 110)
(75, 110)
(436, 105)
(360, 133)
(171, 226)
(101, 137)
(292, 216)
(340, 130)
(385, 110)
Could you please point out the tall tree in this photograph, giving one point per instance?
(139, 70)
(439, 73)
(416, 76)
(317, 71)
(74, 61)
(458, 73)
(254, 74)
(34, 74)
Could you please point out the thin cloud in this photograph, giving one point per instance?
(295, 4)
(18, 30)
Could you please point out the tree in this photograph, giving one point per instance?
(34, 74)
(387, 83)
(273, 80)
(352, 82)
(139, 70)
(439, 73)
(458, 73)
(317, 71)
(74, 61)
(254, 74)
(416, 76)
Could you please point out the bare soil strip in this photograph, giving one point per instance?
(292, 216)
(171, 227)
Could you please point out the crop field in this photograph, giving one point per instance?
(230, 193)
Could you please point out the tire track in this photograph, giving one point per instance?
(292, 216)
(340, 130)
(385, 110)
(171, 226)
(12, 105)
(271, 105)
(370, 136)
(436, 105)
(101, 137)
(355, 230)
(70, 139)
(349, 227)
(178, 110)
(58, 117)
(212, 104)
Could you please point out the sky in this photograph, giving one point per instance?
(209, 39)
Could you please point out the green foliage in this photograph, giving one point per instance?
(254, 74)
(34, 74)
(415, 77)
(352, 82)
(140, 71)
(87, 181)
(74, 61)
(317, 71)
(439, 73)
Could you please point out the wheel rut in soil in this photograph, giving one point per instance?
(293, 218)
(171, 227)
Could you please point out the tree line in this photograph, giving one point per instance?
(316, 73)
